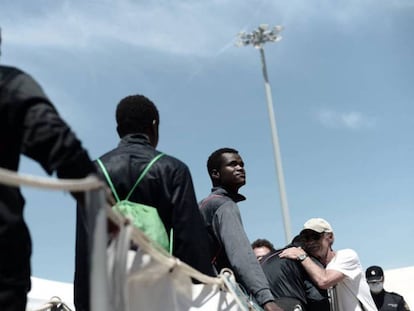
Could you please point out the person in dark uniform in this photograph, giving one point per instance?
(31, 126)
(290, 284)
(385, 301)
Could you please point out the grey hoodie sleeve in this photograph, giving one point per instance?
(228, 226)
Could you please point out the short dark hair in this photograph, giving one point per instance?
(214, 160)
(134, 114)
(263, 243)
(297, 241)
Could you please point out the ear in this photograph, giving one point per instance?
(154, 134)
(215, 174)
(331, 237)
(118, 131)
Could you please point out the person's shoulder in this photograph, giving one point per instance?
(226, 207)
(174, 165)
(167, 158)
(172, 159)
(273, 256)
(107, 156)
(215, 200)
(394, 295)
(347, 252)
(219, 205)
(28, 87)
(348, 255)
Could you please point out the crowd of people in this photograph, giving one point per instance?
(208, 235)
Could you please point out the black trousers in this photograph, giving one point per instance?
(13, 298)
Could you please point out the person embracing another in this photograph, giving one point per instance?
(342, 273)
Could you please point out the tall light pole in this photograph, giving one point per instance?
(258, 38)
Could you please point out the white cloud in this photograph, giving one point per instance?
(346, 120)
(180, 26)
(177, 27)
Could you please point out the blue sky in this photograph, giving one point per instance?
(342, 82)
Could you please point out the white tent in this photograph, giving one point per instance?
(401, 281)
(44, 290)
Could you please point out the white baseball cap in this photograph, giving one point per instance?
(318, 224)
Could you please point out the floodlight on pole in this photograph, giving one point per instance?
(258, 38)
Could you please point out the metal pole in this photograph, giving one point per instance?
(276, 150)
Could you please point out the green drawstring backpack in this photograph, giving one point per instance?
(143, 216)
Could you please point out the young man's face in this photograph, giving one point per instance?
(231, 173)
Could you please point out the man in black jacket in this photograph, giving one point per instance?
(29, 125)
(290, 284)
(229, 244)
(167, 186)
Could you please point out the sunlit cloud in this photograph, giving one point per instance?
(346, 120)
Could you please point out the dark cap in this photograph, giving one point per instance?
(374, 274)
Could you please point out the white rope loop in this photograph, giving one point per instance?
(225, 280)
(54, 302)
(11, 178)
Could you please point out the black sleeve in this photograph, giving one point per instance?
(190, 236)
(313, 293)
(48, 140)
(402, 305)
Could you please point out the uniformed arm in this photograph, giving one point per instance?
(190, 236)
(228, 226)
(322, 277)
(403, 305)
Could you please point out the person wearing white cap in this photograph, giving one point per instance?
(343, 272)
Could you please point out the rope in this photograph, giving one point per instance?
(90, 183)
(11, 178)
(161, 255)
(158, 253)
(54, 302)
(228, 278)
(225, 279)
(238, 293)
